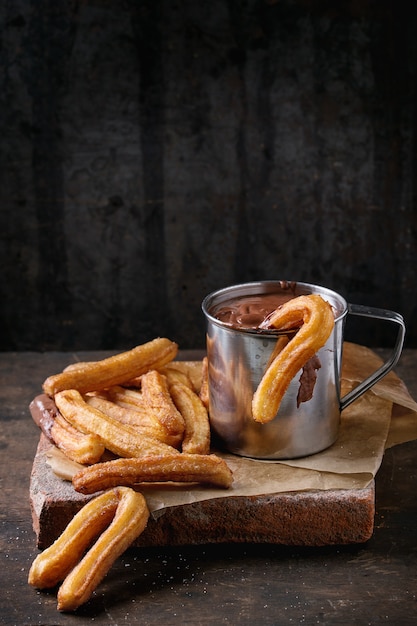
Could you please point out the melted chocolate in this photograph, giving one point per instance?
(43, 410)
(249, 311)
(308, 380)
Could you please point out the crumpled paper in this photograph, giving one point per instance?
(384, 416)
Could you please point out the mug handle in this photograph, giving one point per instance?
(389, 316)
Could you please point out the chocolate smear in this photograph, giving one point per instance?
(308, 380)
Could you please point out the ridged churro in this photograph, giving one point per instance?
(84, 448)
(120, 515)
(196, 438)
(181, 468)
(141, 420)
(313, 316)
(114, 370)
(157, 397)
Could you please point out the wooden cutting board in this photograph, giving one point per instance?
(309, 518)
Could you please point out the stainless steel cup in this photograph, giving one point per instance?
(237, 360)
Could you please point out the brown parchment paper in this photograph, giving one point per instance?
(384, 416)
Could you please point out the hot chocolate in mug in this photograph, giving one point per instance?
(238, 354)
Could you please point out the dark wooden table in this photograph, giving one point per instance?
(373, 583)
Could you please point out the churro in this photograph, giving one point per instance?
(141, 420)
(114, 370)
(122, 514)
(196, 438)
(157, 397)
(84, 448)
(181, 468)
(314, 319)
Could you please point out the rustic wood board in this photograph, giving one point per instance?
(313, 518)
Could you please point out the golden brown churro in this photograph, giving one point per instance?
(182, 468)
(157, 397)
(142, 421)
(196, 438)
(174, 375)
(77, 446)
(114, 370)
(192, 369)
(315, 318)
(128, 398)
(123, 514)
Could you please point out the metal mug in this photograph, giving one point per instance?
(237, 359)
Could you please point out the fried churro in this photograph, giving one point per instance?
(142, 420)
(313, 316)
(84, 448)
(114, 370)
(156, 394)
(181, 468)
(120, 515)
(196, 438)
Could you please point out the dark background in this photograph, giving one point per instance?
(155, 150)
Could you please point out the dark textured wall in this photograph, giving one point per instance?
(155, 150)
